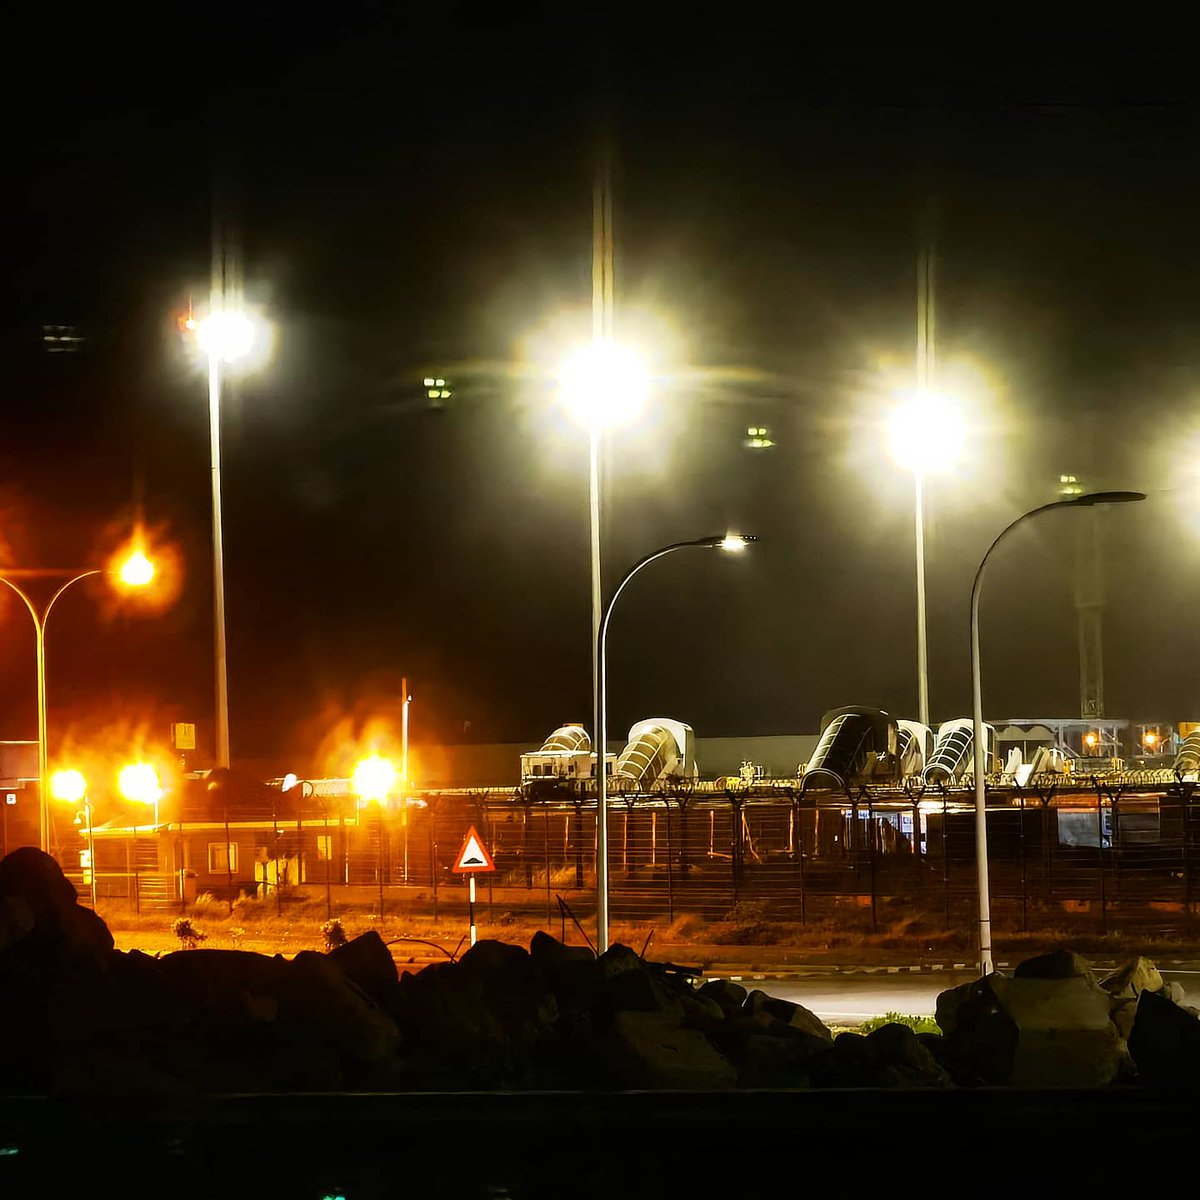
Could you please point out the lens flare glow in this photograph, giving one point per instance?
(68, 785)
(137, 570)
(229, 336)
(604, 384)
(926, 433)
(140, 782)
(374, 778)
(735, 543)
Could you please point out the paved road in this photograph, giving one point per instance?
(847, 998)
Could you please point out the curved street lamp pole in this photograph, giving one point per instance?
(39, 625)
(728, 542)
(981, 845)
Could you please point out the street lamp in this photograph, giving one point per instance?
(924, 434)
(981, 848)
(140, 783)
(134, 572)
(404, 779)
(374, 780)
(732, 543)
(604, 385)
(70, 787)
(227, 337)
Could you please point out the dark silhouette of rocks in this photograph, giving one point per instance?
(79, 1018)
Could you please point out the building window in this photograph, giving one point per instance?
(222, 858)
(324, 847)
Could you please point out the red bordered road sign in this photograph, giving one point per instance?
(474, 855)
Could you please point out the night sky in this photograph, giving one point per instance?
(412, 196)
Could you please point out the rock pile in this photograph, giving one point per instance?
(78, 1017)
(1053, 1024)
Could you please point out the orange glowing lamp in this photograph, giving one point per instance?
(140, 782)
(374, 778)
(136, 570)
(68, 786)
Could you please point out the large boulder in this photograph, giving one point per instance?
(369, 963)
(729, 995)
(1039, 1031)
(40, 914)
(889, 1057)
(1133, 978)
(795, 1015)
(319, 1003)
(1165, 1043)
(1125, 985)
(652, 1050)
(1057, 964)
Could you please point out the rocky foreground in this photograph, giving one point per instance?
(78, 1017)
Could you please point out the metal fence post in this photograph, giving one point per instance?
(670, 870)
(1100, 855)
(546, 856)
(1024, 891)
(871, 857)
(946, 855)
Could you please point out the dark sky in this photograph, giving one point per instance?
(409, 195)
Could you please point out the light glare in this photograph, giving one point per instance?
(137, 570)
(68, 785)
(604, 385)
(140, 782)
(229, 336)
(925, 433)
(374, 778)
(734, 543)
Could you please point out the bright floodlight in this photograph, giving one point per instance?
(374, 778)
(68, 785)
(735, 543)
(229, 336)
(604, 384)
(140, 782)
(926, 433)
(289, 781)
(137, 570)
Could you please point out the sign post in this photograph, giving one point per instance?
(471, 858)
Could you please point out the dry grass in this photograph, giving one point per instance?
(261, 926)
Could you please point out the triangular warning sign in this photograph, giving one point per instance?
(473, 856)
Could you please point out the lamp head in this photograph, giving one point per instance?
(136, 571)
(734, 543)
(140, 782)
(68, 785)
(926, 432)
(604, 384)
(374, 778)
(1094, 498)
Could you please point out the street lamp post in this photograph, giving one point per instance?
(404, 770)
(70, 786)
(733, 543)
(227, 336)
(981, 845)
(136, 571)
(925, 433)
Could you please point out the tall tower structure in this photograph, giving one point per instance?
(1089, 604)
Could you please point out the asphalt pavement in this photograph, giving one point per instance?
(849, 997)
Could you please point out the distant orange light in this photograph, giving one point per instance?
(140, 782)
(1150, 738)
(68, 785)
(374, 778)
(1090, 739)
